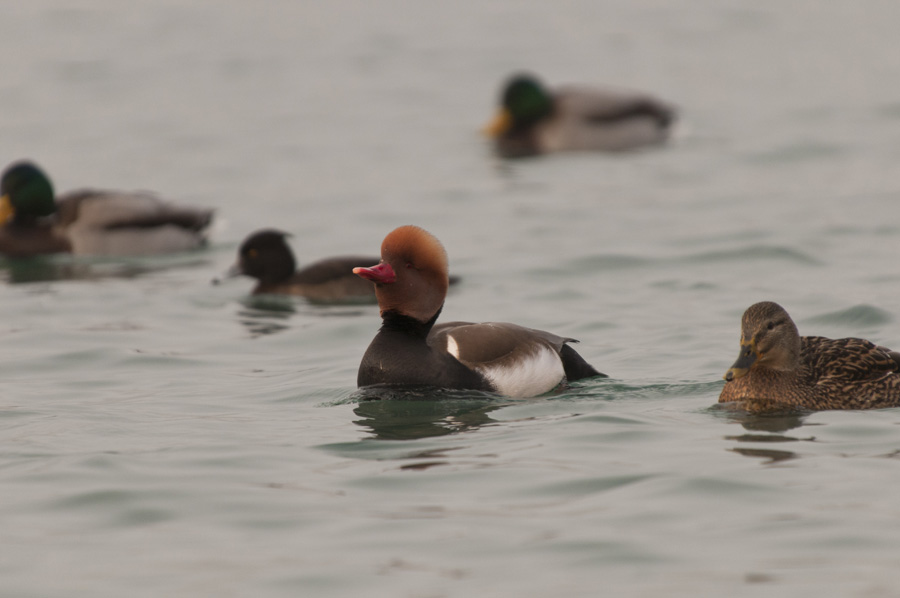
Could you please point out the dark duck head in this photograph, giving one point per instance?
(265, 256)
(523, 102)
(27, 194)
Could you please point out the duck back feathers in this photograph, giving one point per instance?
(139, 223)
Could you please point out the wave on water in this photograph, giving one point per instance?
(753, 253)
(743, 254)
(798, 152)
(857, 316)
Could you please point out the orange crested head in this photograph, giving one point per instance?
(412, 278)
(412, 246)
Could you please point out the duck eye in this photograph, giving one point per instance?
(771, 325)
(409, 265)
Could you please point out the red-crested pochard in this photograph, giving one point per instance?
(409, 350)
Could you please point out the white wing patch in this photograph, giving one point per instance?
(452, 347)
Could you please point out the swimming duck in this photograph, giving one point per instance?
(777, 368)
(88, 222)
(266, 256)
(410, 350)
(535, 120)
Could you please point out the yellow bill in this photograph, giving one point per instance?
(6, 210)
(500, 125)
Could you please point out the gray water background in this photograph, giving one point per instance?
(164, 437)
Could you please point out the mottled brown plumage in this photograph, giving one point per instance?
(779, 369)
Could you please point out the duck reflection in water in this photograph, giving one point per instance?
(262, 320)
(410, 414)
(781, 421)
(270, 314)
(773, 423)
(58, 268)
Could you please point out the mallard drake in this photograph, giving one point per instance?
(266, 256)
(536, 120)
(410, 350)
(779, 369)
(88, 222)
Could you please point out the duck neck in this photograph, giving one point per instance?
(282, 268)
(393, 321)
(27, 221)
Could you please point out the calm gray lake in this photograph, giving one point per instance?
(160, 436)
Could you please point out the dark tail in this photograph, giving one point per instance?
(575, 366)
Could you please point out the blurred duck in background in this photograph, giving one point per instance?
(266, 257)
(34, 221)
(535, 120)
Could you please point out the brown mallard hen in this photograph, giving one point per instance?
(779, 369)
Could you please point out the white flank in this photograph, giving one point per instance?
(535, 375)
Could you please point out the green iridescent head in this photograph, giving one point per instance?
(27, 193)
(524, 101)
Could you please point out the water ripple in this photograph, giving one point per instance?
(753, 253)
(742, 254)
(857, 316)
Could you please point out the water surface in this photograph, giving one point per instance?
(162, 436)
